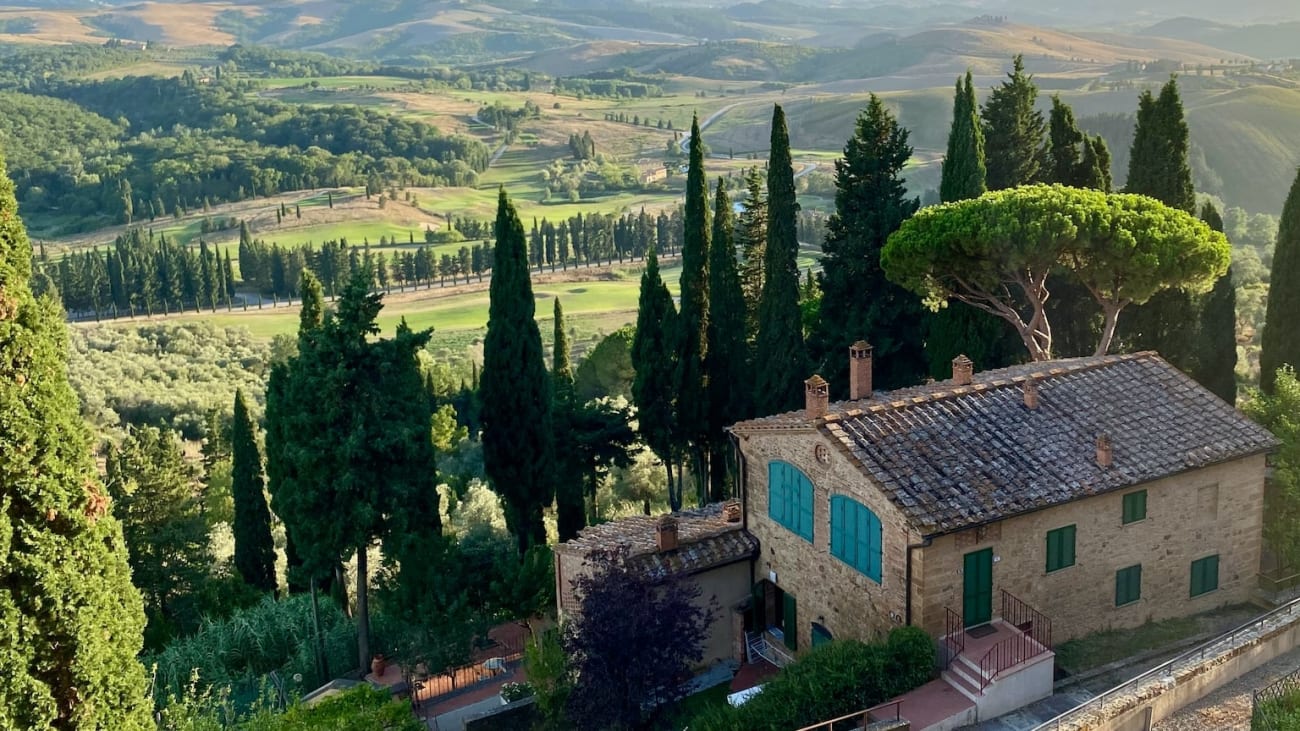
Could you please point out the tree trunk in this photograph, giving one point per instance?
(674, 497)
(363, 610)
(1111, 319)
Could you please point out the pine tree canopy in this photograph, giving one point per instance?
(515, 389)
(727, 359)
(858, 302)
(778, 385)
(73, 622)
(1280, 340)
(1013, 131)
(1123, 248)
(254, 547)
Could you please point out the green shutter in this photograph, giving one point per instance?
(791, 628)
(837, 526)
(1128, 585)
(856, 536)
(760, 606)
(1060, 548)
(1135, 506)
(1205, 575)
(805, 509)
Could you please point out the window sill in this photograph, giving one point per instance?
(1204, 593)
(1132, 603)
(1139, 521)
(1057, 571)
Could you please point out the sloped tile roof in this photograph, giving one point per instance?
(956, 456)
(704, 540)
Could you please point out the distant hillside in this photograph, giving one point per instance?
(1267, 41)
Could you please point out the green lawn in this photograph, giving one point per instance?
(1100, 648)
(683, 715)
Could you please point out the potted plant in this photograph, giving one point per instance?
(378, 664)
(511, 692)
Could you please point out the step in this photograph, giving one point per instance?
(971, 668)
(962, 684)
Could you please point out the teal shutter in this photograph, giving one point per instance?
(837, 526)
(856, 536)
(805, 509)
(875, 546)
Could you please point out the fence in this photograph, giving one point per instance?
(890, 711)
(506, 646)
(1282, 697)
(1198, 654)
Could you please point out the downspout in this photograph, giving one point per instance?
(907, 611)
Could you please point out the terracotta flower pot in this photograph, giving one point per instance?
(378, 665)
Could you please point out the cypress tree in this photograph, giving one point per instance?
(1158, 167)
(1013, 131)
(959, 328)
(691, 336)
(653, 359)
(858, 302)
(1280, 340)
(570, 513)
(73, 622)
(727, 361)
(515, 388)
(1095, 170)
(254, 547)
(963, 167)
(1216, 352)
(751, 235)
(780, 346)
(1063, 149)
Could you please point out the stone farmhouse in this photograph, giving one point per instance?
(1001, 511)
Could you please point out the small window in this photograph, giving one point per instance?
(856, 536)
(1128, 585)
(1060, 548)
(1135, 506)
(790, 498)
(820, 635)
(1205, 575)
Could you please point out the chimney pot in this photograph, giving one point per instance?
(666, 533)
(1031, 393)
(731, 511)
(1105, 455)
(817, 397)
(963, 370)
(860, 370)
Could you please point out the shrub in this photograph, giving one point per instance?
(511, 692)
(832, 680)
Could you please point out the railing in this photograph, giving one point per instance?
(1026, 619)
(954, 635)
(1197, 654)
(1018, 648)
(496, 658)
(862, 717)
(758, 645)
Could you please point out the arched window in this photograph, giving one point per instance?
(856, 536)
(790, 498)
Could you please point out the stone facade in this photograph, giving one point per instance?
(827, 590)
(1214, 510)
(1201, 512)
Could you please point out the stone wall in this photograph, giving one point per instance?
(827, 590)
(1218, 509)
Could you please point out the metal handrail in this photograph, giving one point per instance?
(1025, 618)
(954, 635)
(1198, 652)
(1019, 648)
(864, 716)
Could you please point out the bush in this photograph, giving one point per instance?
(832, 680)
(511, 692)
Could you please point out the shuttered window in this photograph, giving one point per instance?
(1135, 506)
(1205, 575)
(790, 498)
(1128, 585)
(1060, 548)
(856, 536)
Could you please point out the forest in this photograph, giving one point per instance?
(142, 148)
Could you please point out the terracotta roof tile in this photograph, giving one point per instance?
(704, 540)
(955, 457)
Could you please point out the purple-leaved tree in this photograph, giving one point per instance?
(633, 644)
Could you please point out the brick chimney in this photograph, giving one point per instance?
(817, 397)
(731, 511)
(963, 370)
(859, 370)
(1105, 456)
(1031, 393)
(666, 533)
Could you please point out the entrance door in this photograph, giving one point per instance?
(977, 587)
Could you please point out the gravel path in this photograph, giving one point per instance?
(1228, 708)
